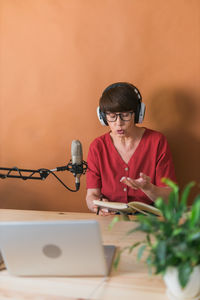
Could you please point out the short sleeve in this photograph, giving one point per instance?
(93, 178)
(164, 165)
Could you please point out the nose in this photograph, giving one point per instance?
(119, 120)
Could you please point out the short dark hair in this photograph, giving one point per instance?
(120, 96)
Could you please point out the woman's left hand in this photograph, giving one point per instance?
(143, 182)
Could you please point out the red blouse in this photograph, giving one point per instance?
(106, 167)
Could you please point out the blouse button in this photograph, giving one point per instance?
(126, 169)
(125, 189)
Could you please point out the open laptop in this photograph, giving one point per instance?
(55, 248)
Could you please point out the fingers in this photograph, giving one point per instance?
(145, 177)
(139, 183)
(105, 212)
(129, 182)
(104, 200)
(95, 208)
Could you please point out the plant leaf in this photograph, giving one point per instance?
(174, 195)
(170, 183)
(141, 251)
(184, 271)
(195, 213)
(185, 193)
(115, 220)
(133, 246)
(197, 198)
(149, 240)
(117, 259)
(195, 236)
(161, 252)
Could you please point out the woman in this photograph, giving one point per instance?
(127, 163)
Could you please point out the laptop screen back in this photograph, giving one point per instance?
(53, 248)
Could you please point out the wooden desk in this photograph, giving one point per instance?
(129, 281)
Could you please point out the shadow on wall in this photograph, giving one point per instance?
(172, 112)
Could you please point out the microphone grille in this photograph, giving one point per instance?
(76, 152)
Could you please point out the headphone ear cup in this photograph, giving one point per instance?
(141, 113)
(101, 117)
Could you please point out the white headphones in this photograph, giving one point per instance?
(139, 115)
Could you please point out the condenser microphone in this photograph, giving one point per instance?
(77, 166)
(77, 161)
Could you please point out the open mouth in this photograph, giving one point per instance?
(120, 131)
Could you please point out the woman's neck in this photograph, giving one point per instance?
(130, 139)
(126, 146)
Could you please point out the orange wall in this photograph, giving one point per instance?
(57, 56)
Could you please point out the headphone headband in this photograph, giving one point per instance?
(124, 84)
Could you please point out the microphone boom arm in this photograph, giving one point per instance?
(42, 172)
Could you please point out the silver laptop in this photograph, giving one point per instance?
(55, 248)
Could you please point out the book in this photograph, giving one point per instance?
(130, 207)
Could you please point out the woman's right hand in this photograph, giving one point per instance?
(95, 194)
(102, 211)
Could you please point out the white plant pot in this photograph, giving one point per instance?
(176, 292)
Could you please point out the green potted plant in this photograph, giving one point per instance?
(172, 242)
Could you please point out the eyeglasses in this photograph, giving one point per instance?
(124, 116)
